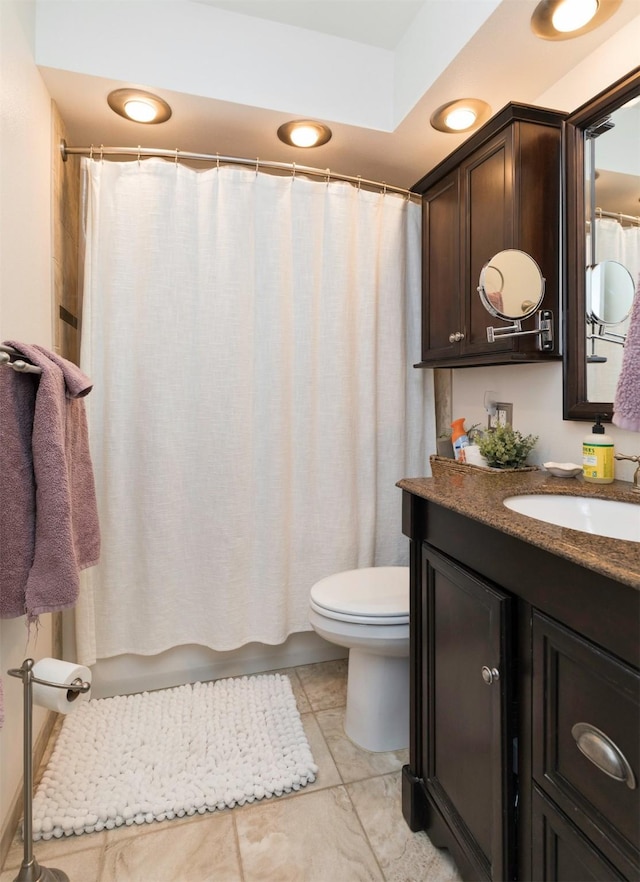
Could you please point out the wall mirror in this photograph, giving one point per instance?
(602, 244)
(511, 288)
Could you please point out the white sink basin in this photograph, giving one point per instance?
(602, 517)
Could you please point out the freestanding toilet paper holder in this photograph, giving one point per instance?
(30, 870)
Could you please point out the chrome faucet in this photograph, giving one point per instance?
(636, 476)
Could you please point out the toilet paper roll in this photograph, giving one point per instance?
(57, 671)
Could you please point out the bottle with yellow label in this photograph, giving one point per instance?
(597, 456)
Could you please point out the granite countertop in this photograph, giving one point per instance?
(479, 494)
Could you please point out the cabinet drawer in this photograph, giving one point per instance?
(583, 695)
(560, 852)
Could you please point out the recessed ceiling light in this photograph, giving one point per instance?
(461, 115)
(571, 15)
(565, 19)
(139, 106)
(304, 133)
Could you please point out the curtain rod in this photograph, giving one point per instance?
(177, 155)
(618, 216)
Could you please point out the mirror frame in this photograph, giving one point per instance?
(576, 405)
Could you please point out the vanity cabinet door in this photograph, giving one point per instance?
(467, 746)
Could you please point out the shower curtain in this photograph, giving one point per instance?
(621, 243)
(250, 340)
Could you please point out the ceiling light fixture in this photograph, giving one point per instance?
(461, 115)
(304, 133)
(139, 106)
(565, 19)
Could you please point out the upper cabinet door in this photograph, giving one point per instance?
(487, 190)
(500, 190)
(441, 307)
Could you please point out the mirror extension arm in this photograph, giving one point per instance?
(544, 330)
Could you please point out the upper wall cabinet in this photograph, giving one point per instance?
(500, 190)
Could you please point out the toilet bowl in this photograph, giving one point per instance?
(367, 611)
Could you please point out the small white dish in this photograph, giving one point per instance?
(563, 469)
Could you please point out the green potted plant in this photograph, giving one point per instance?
(506, 448)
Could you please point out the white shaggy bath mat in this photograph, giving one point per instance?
(159, 755)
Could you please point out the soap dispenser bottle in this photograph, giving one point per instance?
(459, 439)
(597, 456)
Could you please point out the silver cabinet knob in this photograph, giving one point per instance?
(452, 338)
(490, 675)
(456, 337)
(460, 336)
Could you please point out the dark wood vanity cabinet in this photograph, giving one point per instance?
(501, 189)
(508, 674)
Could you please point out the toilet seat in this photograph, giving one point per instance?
(370, 596)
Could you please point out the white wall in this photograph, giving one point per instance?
(220, 54)
(536, 390)
(25, 302)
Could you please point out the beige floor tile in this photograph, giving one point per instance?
(81, 866)
(313, 838)
(325, 683)
(118, 834)
(404, 856)
(47, 851)
(353, 762)
(205, 851)
(328, 775)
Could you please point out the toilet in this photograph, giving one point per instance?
(367, 610)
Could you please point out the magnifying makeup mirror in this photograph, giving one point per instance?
(511, 285)
(512, 288)
(609, 293)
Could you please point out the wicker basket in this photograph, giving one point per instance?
(441, 465)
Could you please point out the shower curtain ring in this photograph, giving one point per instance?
(139, 153)
(218, 161)
(91, 152)
(328, 178)
(294, 170)
(101, 152)
(257, 164)
(384, 188)
(359, 182)
(177, 152)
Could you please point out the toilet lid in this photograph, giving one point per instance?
(376, 594)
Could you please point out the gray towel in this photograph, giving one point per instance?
(49, 471)
(626, 406)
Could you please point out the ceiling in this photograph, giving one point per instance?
(501, 61)
(376, 22)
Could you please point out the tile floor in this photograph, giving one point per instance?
(345, 827)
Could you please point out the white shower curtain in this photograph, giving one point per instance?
(250, 339)
(621, 243)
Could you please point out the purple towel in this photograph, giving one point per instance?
(48, 471)
(626, 407)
